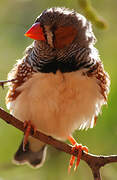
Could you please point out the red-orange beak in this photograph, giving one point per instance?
(35, 32)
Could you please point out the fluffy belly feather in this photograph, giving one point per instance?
(57, 104)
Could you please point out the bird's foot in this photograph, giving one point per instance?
(28, 126)
(80, 149)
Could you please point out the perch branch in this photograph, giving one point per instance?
(94, 162)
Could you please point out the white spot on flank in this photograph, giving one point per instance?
(19, 74)
(30, 70)
(23, 65)
(24, 74)
(28, 74)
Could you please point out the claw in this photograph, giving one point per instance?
(71, 162)
(28, 126)
(80, 149)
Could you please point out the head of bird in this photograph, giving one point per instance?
(61, 29)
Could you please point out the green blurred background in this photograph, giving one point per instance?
(16, 16)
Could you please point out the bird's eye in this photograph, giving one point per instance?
(63, 36)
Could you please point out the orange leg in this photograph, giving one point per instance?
(28, 126)
(78, 147)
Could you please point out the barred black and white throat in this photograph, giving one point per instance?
(72, 54)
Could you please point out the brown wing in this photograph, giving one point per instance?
(22, 71)
(102, 78)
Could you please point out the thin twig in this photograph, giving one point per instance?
(2, 83)
(94, 162)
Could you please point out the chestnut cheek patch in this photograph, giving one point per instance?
(64, 36)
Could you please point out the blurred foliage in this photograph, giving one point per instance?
(16, 16)
(91, 13)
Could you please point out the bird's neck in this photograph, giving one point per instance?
(47, 61)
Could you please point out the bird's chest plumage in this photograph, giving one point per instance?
(58, 103)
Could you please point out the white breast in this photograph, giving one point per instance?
(57, 104)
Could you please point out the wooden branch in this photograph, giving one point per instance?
(94, 162)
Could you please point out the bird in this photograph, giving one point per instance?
(60, 83)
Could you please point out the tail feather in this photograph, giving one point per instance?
(35, 159)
